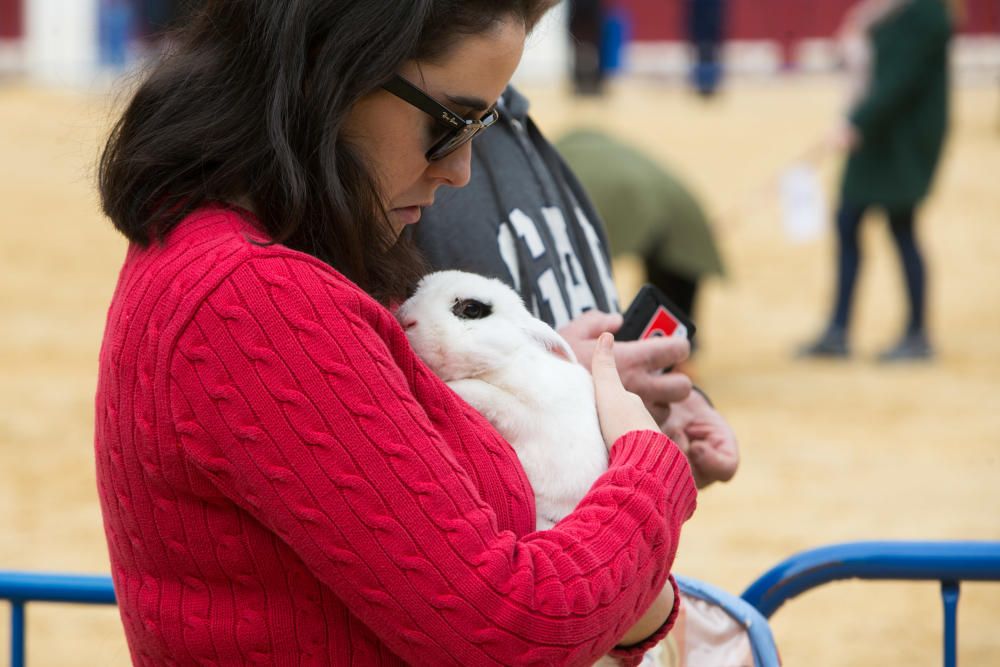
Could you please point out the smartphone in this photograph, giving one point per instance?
(653, 314)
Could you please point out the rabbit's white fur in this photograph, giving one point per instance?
(520, 374)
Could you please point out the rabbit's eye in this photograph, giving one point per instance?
(470, 309)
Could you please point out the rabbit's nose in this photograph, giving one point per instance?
(409, 324)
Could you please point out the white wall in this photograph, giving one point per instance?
(60, 46)
(546, 55)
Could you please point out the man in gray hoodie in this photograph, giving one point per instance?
(525, 219)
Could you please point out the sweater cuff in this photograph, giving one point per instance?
(630, 656)
(649, 451)
(655, 454)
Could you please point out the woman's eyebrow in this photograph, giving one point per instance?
(472, 103)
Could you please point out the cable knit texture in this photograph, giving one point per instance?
(285, 483)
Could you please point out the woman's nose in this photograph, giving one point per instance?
(455, 169)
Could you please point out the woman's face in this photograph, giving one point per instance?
(394, 136)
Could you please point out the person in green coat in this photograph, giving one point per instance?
(894, 132)
(648, 211)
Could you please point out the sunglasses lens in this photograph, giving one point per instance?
(454, 140)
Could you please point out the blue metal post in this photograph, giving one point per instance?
(913, 561)
(19, 588)
(16, 633)
(949, 596)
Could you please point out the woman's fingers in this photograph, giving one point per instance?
(618, 410)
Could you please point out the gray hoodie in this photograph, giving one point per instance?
(524, 219)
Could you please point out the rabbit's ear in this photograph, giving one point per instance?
(547, 337)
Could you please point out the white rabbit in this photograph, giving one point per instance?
(475, 333)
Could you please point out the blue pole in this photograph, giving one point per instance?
(935, 561)
(85, 588)
(949, 596)
(16, 633)
(22, 587)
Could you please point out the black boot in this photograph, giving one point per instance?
(831, 345)
(911, 347)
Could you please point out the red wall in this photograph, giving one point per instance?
(11, 19)
(783, 20)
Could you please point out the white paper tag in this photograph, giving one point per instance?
(803, 205)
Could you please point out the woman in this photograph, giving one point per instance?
(894, 131)
(282, 480)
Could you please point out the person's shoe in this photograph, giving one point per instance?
(911, 347)
(831, 345)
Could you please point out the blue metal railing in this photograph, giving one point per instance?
(23, 587)
(946, 562)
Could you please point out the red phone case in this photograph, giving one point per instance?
(653, 314)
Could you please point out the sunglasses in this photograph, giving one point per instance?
(460, 130)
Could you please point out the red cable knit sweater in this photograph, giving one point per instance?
(284, 483)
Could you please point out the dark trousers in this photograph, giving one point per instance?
(706, 23)
(901, 224)
(586, 20)
(705, 31)
(155, 16)
(679, 289)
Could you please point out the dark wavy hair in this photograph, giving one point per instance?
(248, 103)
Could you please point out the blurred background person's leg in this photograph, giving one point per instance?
(913, 344)
(156, 17)
(706, 32)
(833, 341)
(586, 19)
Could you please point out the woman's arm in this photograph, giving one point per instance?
(292, 405)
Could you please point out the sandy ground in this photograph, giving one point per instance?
(832, 451)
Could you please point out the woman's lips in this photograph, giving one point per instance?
(408, 215)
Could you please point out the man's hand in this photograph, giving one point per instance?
(705, 437)
(684, 415)
(640, 363)
(843, 137)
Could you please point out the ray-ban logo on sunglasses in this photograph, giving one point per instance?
(448, 119)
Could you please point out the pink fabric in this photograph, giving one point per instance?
(284, 483)
(705, 635)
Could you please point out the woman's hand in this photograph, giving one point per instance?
(843, 137)
(640, 363)
(618, 410)
(650, 622)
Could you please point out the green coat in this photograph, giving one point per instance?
(647, 210)
(903, 117)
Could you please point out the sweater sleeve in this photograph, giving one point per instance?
(288, 401)
(631, 656)
(903, 67)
